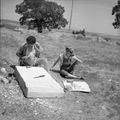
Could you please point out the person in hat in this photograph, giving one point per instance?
(30, 54)
(67, 61)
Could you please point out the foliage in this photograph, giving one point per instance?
(116, 12)
(41, 14)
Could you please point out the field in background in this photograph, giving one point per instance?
(101, 70)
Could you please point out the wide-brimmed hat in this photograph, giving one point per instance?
(31, 40)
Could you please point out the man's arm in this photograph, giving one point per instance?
(79, 60)
(39, 47)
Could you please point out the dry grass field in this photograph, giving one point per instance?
(101, 70)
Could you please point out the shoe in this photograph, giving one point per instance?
(81, 78)
(12, 66)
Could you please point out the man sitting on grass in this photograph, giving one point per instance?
(68, 61)
(29, 54)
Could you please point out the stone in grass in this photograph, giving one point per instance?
(4, 80)
(3, 70)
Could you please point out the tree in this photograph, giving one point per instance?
(116, 12)
(41, 14)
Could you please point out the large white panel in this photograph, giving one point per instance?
(37, 82)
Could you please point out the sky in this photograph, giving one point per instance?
(91, 15)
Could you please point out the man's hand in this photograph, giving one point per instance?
(51, 69)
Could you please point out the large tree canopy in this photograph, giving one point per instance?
(41, 14)
(116, 12)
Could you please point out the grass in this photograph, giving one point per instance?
(101, 70)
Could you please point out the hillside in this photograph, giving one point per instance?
(101, 70)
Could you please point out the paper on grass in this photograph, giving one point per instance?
(77, 86)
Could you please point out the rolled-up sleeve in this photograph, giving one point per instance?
(39, 47)
(39, 50)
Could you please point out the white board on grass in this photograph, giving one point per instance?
(37, 82)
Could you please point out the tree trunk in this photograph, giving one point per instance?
(39, 29)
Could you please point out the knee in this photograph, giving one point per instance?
(45, 60)
(63, 73)
(42, 61)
